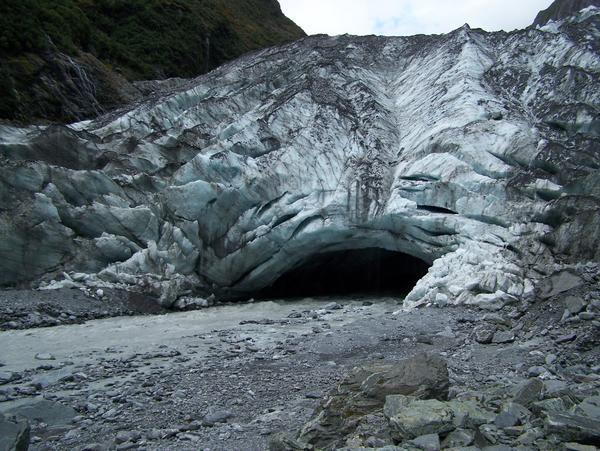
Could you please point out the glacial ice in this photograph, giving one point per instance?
(466, 150)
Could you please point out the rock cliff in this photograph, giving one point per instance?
(561, 9)
(475, 152)
(69, 60)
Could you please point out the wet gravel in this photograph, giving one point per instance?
(25, 309)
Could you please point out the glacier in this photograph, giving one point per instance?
(475, 152)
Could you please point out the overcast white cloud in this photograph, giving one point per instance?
(407, 17)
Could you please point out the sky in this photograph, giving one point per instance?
(408, 17)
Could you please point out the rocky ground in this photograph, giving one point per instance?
(24, 309)
(235, 377)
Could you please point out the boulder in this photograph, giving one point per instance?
(572, 446)
(559, 283)
(469, 414)
(8, 376)
(190, 303)
(528, 391)
(428, 442)
(512, 414)
(283, 442)
(574, 304)
(14, 433)
(421, 417)
(458, 438)
(502, 337)
(52, 413)
(424, 375)
(367, 389)
(484, 333)
(573, 427)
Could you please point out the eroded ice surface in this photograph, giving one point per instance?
(476, 152)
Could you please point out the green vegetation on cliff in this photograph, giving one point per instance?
(139, 39)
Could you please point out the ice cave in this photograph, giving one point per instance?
(357, 271)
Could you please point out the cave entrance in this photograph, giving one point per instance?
(372, 271)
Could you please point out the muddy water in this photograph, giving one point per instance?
(81, 343)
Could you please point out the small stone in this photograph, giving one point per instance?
(44, 356)
(220, 416)
(128, 436)
(571, 446)
(99, 292)
(110, 414)
(512, 414)
(441, 299)
(180, 394)
(446, 333)
(458, 438)
(8, 376)
(72, 434)
(93, 447)
(574, 304)
(468, 414)
(550, 359)
(424, 339)
(313, 395)
(375, 442)
(530, 436)
(154, 434)
(495, 318)
(333, 306)
(499, 448)
(535, 371)
(528, 392)
(566, 338)
(484, 334)
(589, 407)
(506, 419)
(283, 442)
(428, 442)
(501, 337)
(559, 283)
(554, 388)
(587, 316)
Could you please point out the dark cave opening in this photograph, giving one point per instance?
(371, 271)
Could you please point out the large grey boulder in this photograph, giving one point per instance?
(421, 417)
(14, 433)
(581, 423)
(528, 392)
(53, 414)
(573, 427)
(424, 376)
(365, 391)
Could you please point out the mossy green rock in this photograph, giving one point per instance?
(66, 60)
(422, 417)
